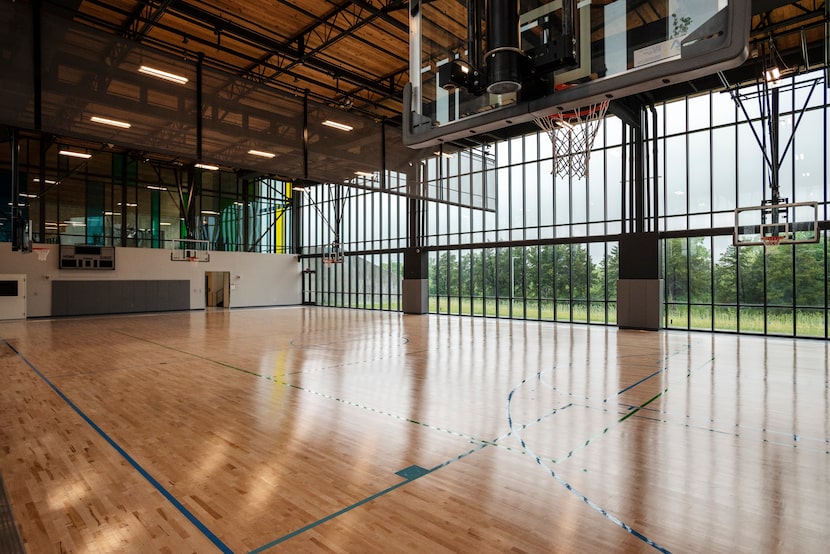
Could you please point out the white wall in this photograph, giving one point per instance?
(256, 279)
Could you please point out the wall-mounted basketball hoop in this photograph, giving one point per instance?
(572, 134)
(190, 250)
(42, 253)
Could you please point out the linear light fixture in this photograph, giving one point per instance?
(110, 122)
(365, 174)
(165, 224)
(336, 125)
(156, 187)
(261, 154)
(772, 74)
(47, 181)
(207, 166)
(25, 195)
(209, 212)
(158, 73)
(300, 189)
(113, 214)
(129, 204)
(73, 154)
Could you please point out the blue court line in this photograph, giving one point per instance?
(331, 516)
(170, 498)
(631, 386)
(366, 500)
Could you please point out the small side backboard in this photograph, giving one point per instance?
(476, 66)
(190, 250)
(774, 224)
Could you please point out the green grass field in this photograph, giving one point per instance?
(808, 322)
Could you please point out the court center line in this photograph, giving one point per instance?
(158, 486)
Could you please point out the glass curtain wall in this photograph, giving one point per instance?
(711, 284)
(115, 199)
(543, 247)
(355, 239)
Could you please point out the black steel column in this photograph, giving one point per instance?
(17, 222)
(200, 106)
(305, 135)
(37, 62)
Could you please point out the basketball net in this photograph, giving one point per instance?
(572, 135)
(771, 243)
(42, 253)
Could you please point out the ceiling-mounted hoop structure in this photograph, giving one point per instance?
(771, 242)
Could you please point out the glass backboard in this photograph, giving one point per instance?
(788, 223)
(478, 65)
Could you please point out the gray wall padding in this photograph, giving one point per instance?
(115, 297)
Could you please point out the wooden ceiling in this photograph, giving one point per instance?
(352, 54)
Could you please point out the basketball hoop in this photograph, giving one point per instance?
(572, 134)
(42, 253)
(771, 242)
(194, 260)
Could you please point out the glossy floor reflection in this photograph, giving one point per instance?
(315, 429)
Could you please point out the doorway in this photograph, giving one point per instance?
(217, 289)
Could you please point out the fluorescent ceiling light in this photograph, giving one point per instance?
(114, 214)
(165, 224)
(110, 122)
(172, 77)
(300, 189)
(365, 174)
(47, 181)
(207, 166)
(336, 125)
(261, 154)
(73, 154)
(25, 195)
(129, 204)
(156, 187)
(209, 212)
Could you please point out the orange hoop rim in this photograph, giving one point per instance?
(573, 114)
(771, 240)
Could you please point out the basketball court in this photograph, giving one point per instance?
(297, 427)
(315, 429)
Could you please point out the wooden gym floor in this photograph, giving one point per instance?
(326, 430)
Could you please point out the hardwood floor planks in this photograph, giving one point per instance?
(284, 429)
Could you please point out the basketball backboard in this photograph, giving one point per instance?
(791, 223)
(472, 71)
